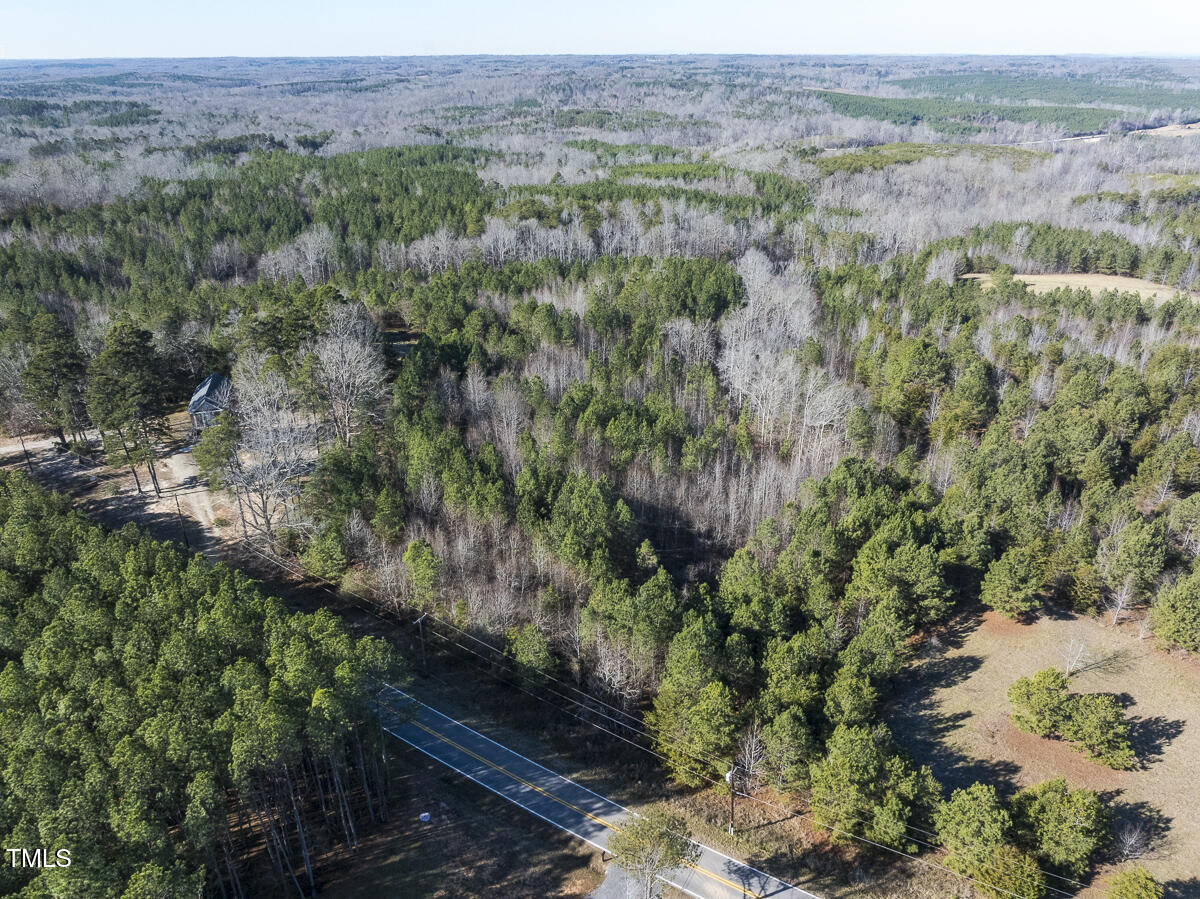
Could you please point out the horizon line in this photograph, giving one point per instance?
(613, 54)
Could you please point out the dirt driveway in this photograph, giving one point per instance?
(186, 493)
(185, 510)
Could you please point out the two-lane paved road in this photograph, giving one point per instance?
(557, 800)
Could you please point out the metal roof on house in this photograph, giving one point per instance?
(212, 393)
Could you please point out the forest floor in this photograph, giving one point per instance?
(952, 714)
(475, 844)
(1147, 290)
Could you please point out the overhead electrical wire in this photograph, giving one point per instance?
(372, 608)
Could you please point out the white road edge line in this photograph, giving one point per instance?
(411, 698)
(508, 798)
(503, 796)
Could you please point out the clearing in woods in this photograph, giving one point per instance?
(186, 510)
(953, 714)
(1147, 290)
(1191, 129)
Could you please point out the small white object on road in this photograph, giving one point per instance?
(424, 817)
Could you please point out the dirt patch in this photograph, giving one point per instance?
(1147, 290)
(1053, 755)
(187, 495)
(996, 625)
(184, 509)
(953, 714)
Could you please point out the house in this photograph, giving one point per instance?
(209, 400)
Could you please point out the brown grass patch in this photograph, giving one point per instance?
(953, 714)
(1147, 290)
(1174, 130)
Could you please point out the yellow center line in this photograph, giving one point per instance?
(515, 777)
(729, 883)
(433, 733)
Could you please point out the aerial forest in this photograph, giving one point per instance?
(711, 392)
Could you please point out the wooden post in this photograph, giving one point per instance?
(729, 780)
(421, 636)
(28, 461)
(182, 526)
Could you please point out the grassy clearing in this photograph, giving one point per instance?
(1147, 290)
(953, 715)
(1191, 129)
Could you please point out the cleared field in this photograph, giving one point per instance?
(953, 714)
(1175, 130)
(1147, 290)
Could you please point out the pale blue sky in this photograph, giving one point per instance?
(122, 28)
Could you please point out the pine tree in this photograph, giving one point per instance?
(127, 398)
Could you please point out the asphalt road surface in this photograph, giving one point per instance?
(558, 801)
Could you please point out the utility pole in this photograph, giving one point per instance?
(182, 527)
(28, 461)
(421, 636)
(729, 780)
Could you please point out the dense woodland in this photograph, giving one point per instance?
(663, 380)
(160, 715)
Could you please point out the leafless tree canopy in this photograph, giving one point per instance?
(350, 368)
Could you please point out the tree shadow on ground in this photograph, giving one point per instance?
(1118, 661)
(117, 511)
(953, 633)
(797, 866)
(1182, 889)
(1151, 736)
(1054, 611)
(778, 819)
(926, 731)
(1138, 829)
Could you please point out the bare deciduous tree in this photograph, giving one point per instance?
(350, 370)
(1075, 655)
(1118, 601)
(510, 415)
(619, 669)
(18, 417)
(750, 761)
(1132, 840)
(310, 256)
(273, 453)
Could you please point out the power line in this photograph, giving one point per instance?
(807, 794)
(720, 762)
(614, 827)
(789, 812)
(339, 592)
(866, 840)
